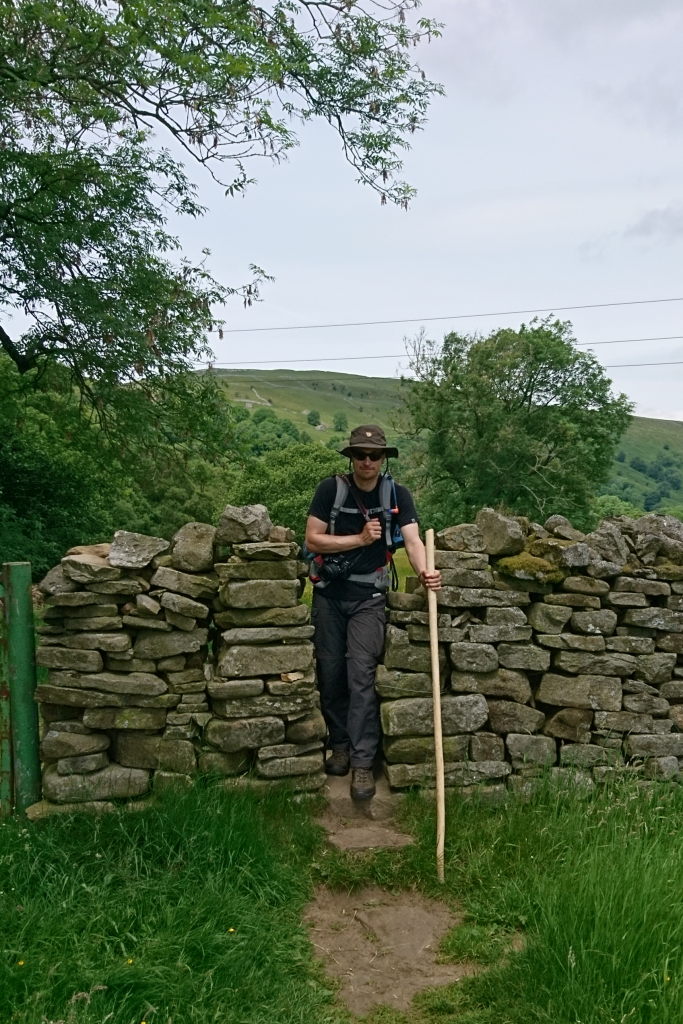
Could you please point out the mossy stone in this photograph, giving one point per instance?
(526, 566)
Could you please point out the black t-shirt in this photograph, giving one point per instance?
(359, 506)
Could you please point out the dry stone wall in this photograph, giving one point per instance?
(161, 661)
(560, 652)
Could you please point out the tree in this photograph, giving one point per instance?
(92, 95)
(264, 431)
(607, 505)
(61, 484)
(53, 490)
(340, 422)
(313, 418)
(521, 420)
(285, 486)
(653, 498)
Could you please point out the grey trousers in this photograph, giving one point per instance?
(349, 639)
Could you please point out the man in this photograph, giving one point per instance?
(349, 605)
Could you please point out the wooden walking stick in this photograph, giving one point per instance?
(436, 697)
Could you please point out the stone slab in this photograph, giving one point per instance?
(260, 594)
(596, 692)
(150, 644)
(507, 716)
(249, 661)
(295, 706)
(125, 718)
(414, 717)
(69, 659)
(111, 783)
(196, 587)
(501, 683)
(467, 597)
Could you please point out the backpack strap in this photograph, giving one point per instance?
(385, 494)
(339, 499)
(380, 578)
(387, 507)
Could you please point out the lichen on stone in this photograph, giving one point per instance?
(668, 571)
(526, 566)
(549, 548)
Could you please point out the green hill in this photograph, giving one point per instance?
(647, 471)
(292, 394)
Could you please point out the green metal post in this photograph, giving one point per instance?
(22, 683)
(5, 736)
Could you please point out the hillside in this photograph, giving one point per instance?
(292, 394)
(648, 469)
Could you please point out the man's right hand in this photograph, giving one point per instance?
(371, 532)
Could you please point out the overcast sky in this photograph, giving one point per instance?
(550, 175)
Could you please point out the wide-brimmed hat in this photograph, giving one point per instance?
(369, 436)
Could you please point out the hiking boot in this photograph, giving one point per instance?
(362, 784)
(338, 763)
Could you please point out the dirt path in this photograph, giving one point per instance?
(363, 824)
(379, 946)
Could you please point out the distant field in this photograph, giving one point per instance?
(292, 394)
(650, 442)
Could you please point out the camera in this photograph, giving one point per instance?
(335, 567)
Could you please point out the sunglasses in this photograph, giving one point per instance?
(374, 456)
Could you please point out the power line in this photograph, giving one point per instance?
(400, 355)
(626, 341)
(620, 366)
(454, 316)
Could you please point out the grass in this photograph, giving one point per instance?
(403, 568)
(485, 944)
(190, 910)
(592, 882)
(646, 439)
(185, 912)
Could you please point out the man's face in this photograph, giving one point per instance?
(367, 463)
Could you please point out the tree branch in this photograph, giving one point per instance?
(22, 362)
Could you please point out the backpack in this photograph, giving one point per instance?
(384, 575)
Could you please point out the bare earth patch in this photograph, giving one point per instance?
(356, 825)
(381, 947)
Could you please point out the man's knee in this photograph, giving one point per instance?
(361, 672)
(331, 674)
(326, 662)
